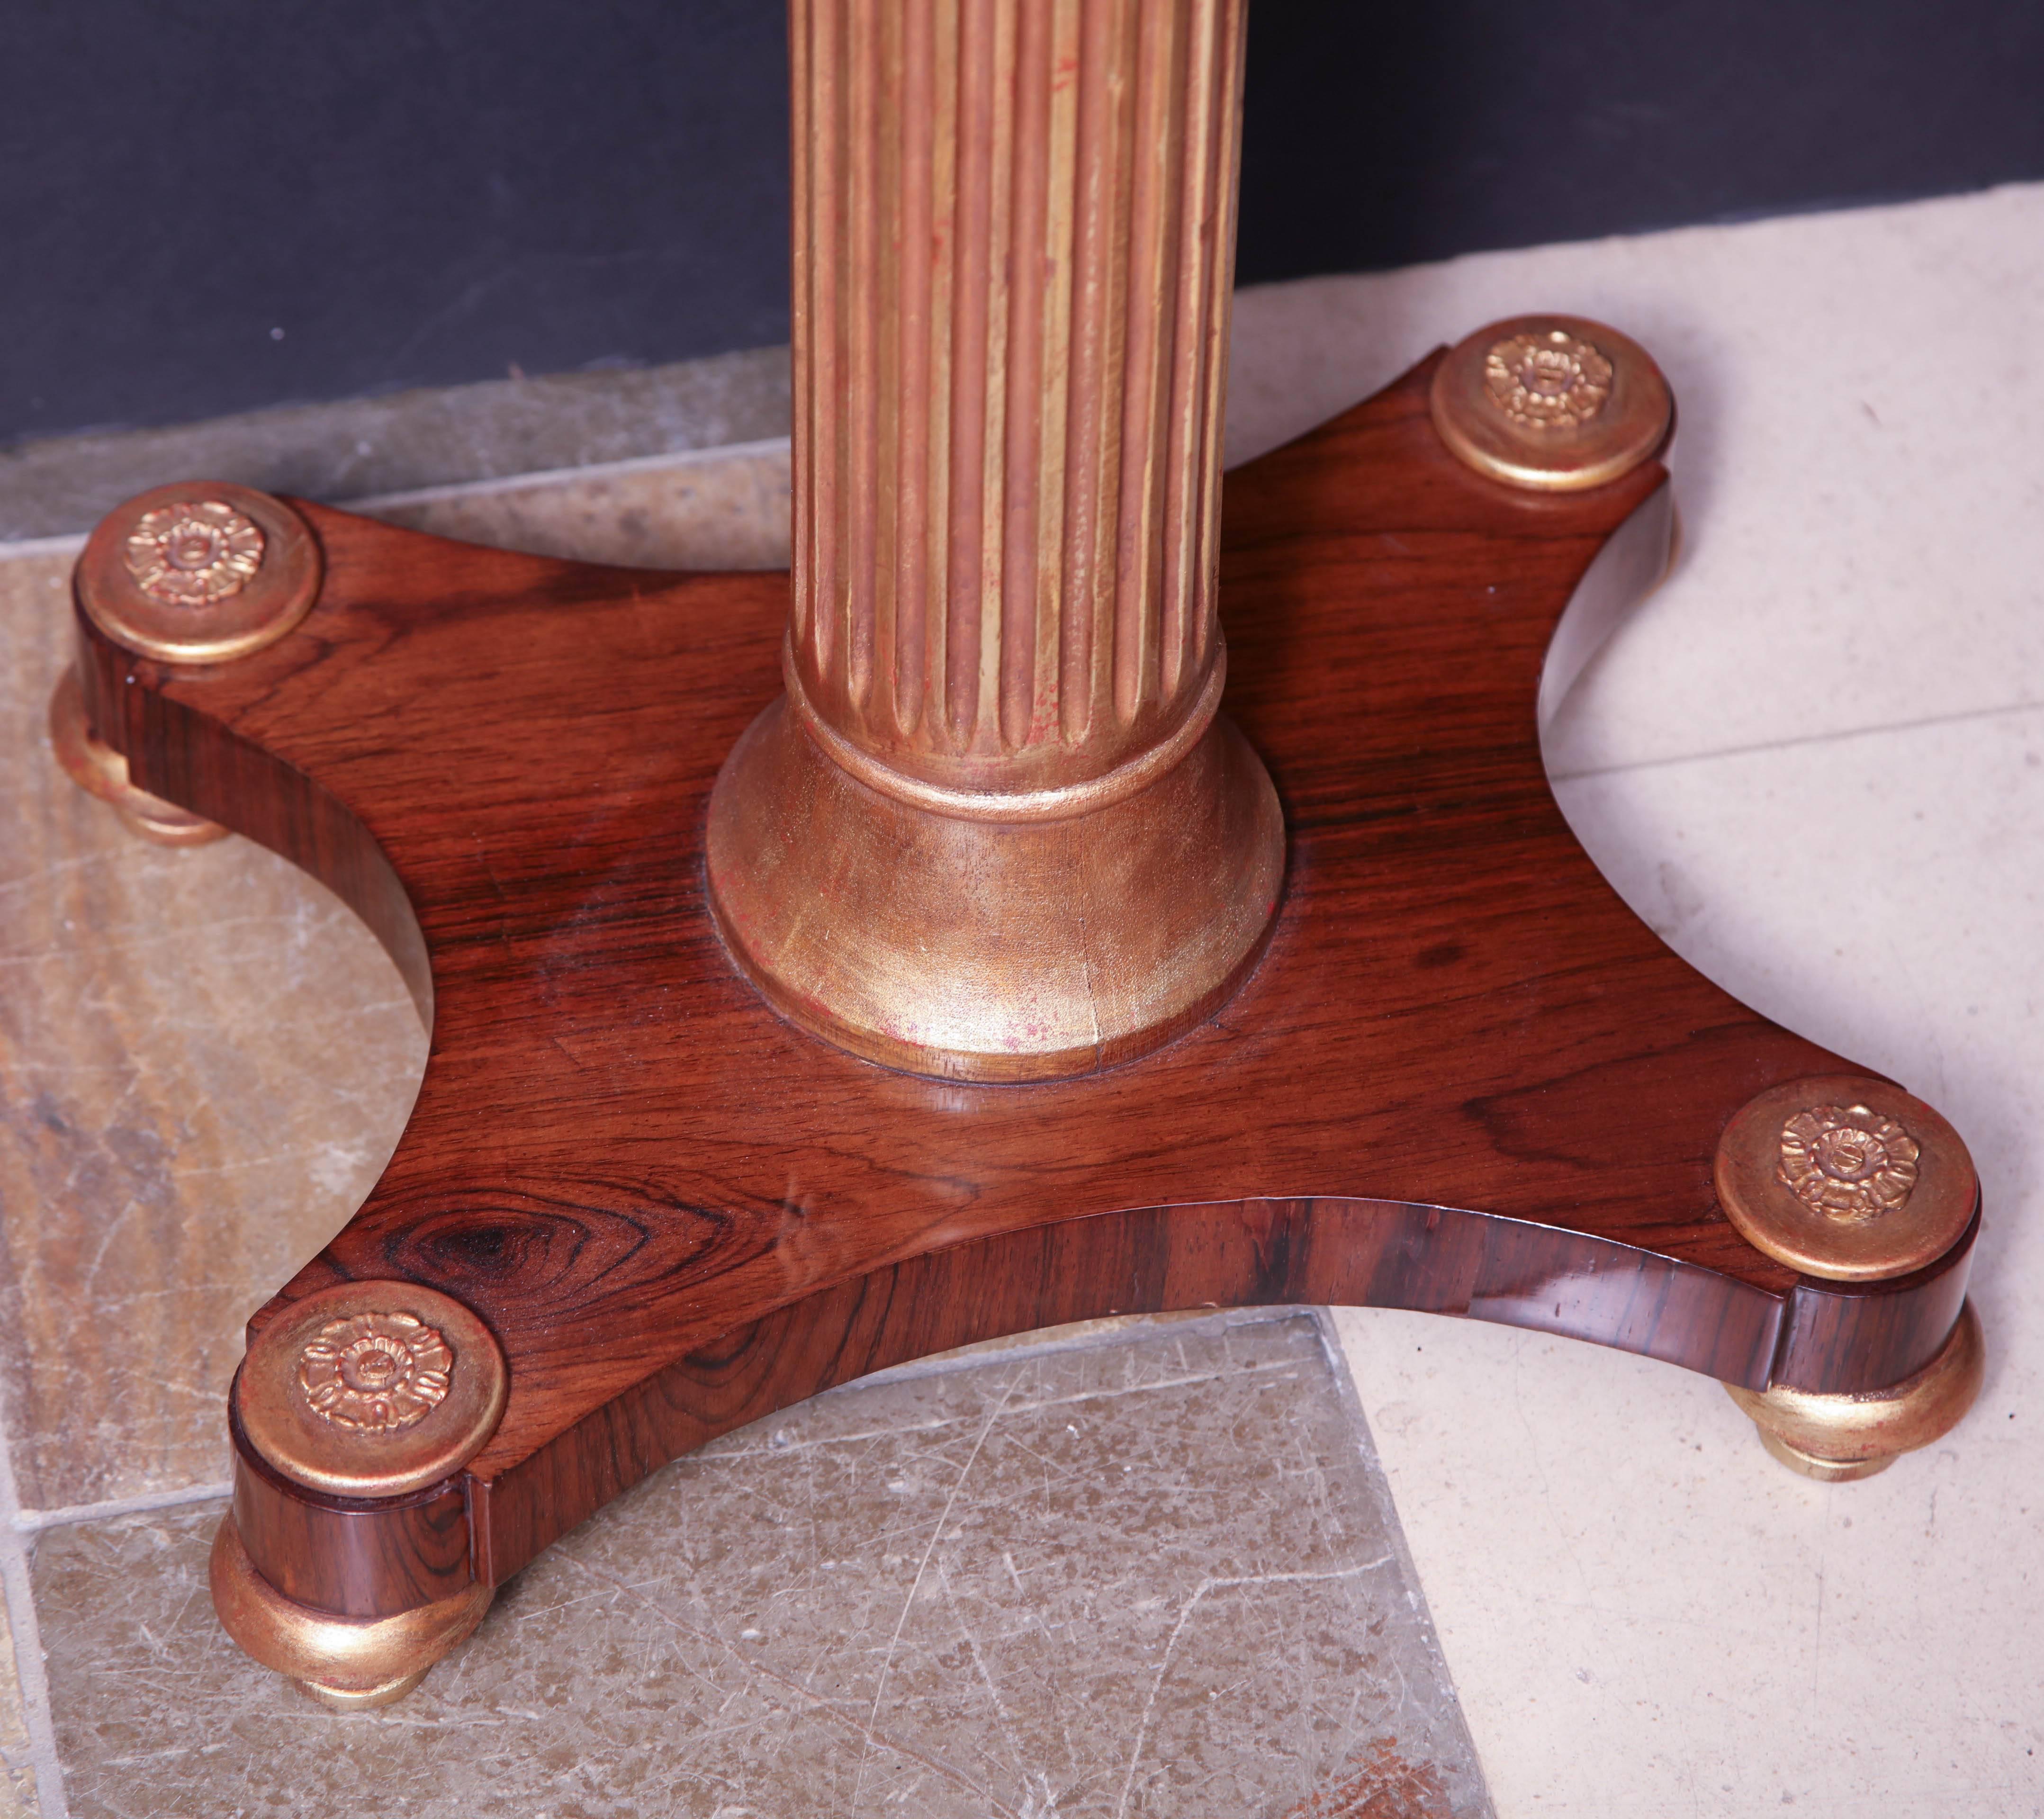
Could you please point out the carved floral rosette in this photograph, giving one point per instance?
(1551, 381)
(193, 553)
(375, 1373)
(1848, 1162)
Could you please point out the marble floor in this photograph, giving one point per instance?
(1140, 1574)
(1814, 762)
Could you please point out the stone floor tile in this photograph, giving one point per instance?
(1648, 1618)
(1862, 435)
(205, 1061)
(205, 1058)
(436, 437)
(1621, 1577)
(17, 1775)
(728, 509)
(1156, 1574)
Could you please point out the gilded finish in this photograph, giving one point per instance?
(371, 1388)
(1553, 403)
(193, 553)
(1848, 1162)
(347, 1663)
(1014, 254)
(200, 571)
(1023, 951)
(1846, 1177)
(100, 771)
(1542, 383)
(1833, 1438)
(375, 1373)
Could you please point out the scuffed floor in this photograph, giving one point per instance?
(1141, 1569)
(1814, 762)
(1153, 1572)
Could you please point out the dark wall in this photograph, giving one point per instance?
(419, 192)
(415, 192)
(1378, 135)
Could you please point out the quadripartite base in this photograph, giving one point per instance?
(990, 950)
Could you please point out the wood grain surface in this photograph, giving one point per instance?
(1464, 1078)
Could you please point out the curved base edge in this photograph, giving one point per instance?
(347, 1663)
(992, 951)
(1835, 1439)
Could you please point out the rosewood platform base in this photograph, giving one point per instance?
(1461, 1077)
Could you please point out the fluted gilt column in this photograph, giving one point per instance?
(995, 830)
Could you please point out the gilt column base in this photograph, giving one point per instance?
(965, 944)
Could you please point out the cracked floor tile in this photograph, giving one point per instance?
(1157, 1574)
